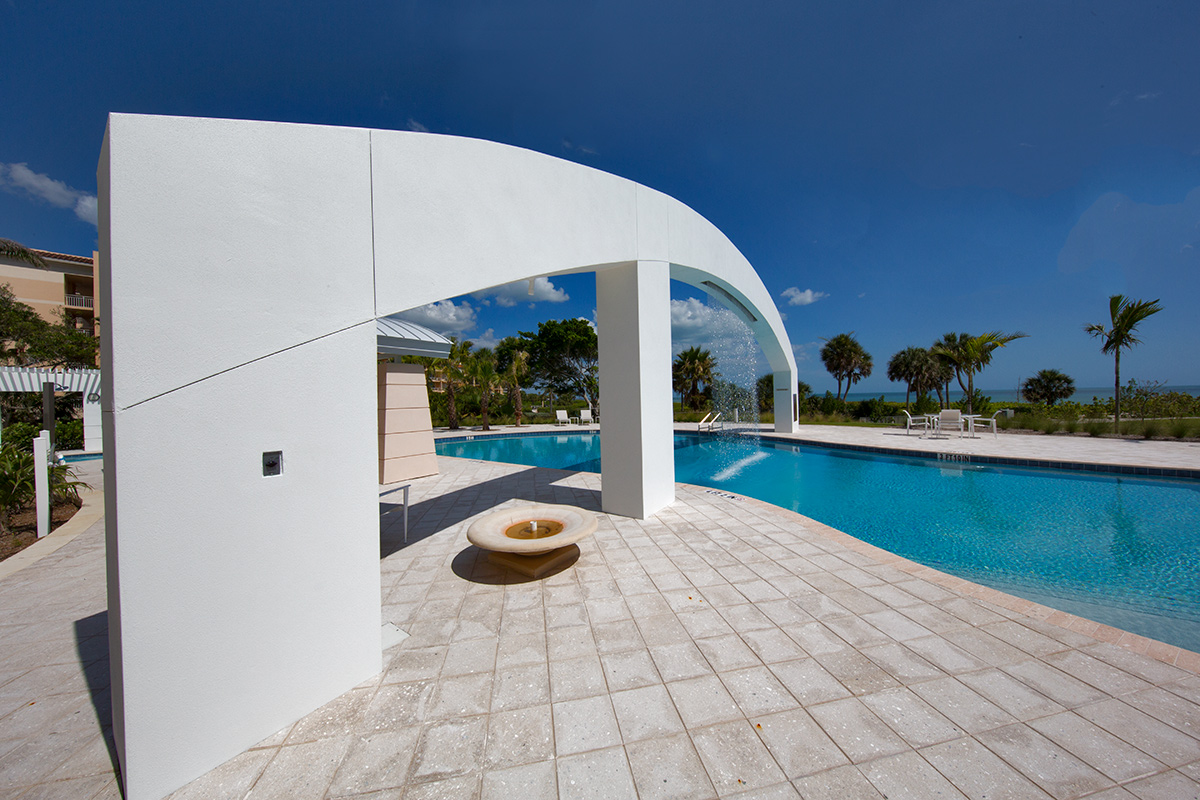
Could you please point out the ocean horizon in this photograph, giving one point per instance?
(1082, 395)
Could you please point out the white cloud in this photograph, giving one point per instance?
(413, 125)
(716, 328)
(43, 187)
(486, 339)
(445, 316)
(510, 294)
(795, 297)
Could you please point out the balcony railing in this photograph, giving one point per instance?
(79, 301)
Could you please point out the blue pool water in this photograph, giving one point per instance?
(1120, 550)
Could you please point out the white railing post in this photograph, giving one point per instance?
(41, 478)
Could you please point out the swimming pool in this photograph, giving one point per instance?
(1116, 549)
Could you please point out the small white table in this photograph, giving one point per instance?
(404, 489)
(970, 418)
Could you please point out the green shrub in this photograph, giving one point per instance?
(68, 434)
(1179, 429)
(1049, 425)
(1071, 426)
(1095, 427)
(20, 435)
(17, 481)
(1151, 428)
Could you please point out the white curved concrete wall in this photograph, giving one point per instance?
(245, 264)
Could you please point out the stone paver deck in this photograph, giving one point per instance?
(723, 648)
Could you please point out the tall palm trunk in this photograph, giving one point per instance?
(451, 406)
(1117, 393)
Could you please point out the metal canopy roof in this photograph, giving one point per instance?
(397, 337)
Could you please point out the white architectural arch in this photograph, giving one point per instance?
(245, 264)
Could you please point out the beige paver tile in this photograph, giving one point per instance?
(844, 783)
(520, 650)
(471, 656)
(516, 687)
(1108, 754)
(703, 623)
(908, 775)
(1165, 786)
(978, 773)
(396, 706)
(375, 762)
(586, 724)
(911, 717)
(736, 759)
(629, 669)
(463, 787)
(537, 781)
(301, 771)
(1054, 683)
(798, 743)
(1095, 672)
(613, 637)
(856, 672)
(945, 655)
(576, 678)
(1010, 694)
(519, 736)
(860, 734)
(727, 652)
(772, 645)
(413, 665)
(1049, 766)
(645, 713)
(668, 768)
(449, 748)
(808, 681)
(596, 775)
(965, 708)
(1120, 719)
(1165, 706)
(679, 661)
(757, 691)
(703, 701)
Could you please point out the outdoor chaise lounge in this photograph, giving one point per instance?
(585, 417)
(560, 417)
(911, 422)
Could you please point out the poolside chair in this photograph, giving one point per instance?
(987, 422)
(560, 417)
(585, 417)
(950, 419)
(911, 422)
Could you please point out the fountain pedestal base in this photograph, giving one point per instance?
(537, 565)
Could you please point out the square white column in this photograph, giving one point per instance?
(633, 310)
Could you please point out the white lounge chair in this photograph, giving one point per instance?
(585, 417)
(987, 422)
(950, 419)
(911, 422)
(561, 418)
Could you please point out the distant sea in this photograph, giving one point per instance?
(1083, 395)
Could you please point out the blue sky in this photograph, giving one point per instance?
(899, 170)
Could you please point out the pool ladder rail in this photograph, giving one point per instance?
(711, 423)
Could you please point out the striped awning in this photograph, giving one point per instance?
(396, 337)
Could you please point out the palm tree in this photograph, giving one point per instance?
(846, 360)
(941, 350)
(482, 371)
(18, 251)
(917, 368)
(970, 354)
(455, 373)
(692, 368)
(1126, 314)
(1048, 386)
(517, 368)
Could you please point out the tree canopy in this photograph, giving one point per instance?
(563, 357)
(30, 341)
(916, 367)
(1048, 386)
(691, 369)
(846, 360)
(970, 354)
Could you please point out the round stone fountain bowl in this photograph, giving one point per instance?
(507, 535)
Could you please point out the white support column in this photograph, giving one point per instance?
(786, 402)
(93, 433)
(41, 479)
(633, 309)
